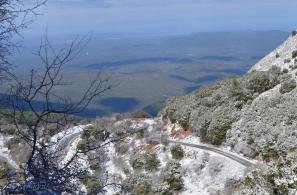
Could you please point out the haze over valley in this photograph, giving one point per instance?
(146, 70)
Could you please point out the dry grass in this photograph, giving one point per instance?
(149, 148)
(181, 134)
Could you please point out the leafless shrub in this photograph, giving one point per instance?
(47, 171)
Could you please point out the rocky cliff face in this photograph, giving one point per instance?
(256, 115)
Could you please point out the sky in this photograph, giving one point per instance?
(163, 17)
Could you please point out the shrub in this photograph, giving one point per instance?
(287, 86)
(52, 129)
(294, 67)
(283, 189)
(184, 121)
(275, 70)
(4, 169)
(141, 133)
(95, 166)
(82, 145)
(270, 154)
(177, 152)
(136, 161)
(218, 134)
(140, 114)
(285, 70)
(258, 82)
(121, 147)
(286, 61)
(92, 183)
(138, 184)
(11, 143)
(174, 182)
(171, 175)
(93, 131)
(9, 130)
(151, 161)
(142, 188)
(294, 54)
(294, 33)
(277, 55)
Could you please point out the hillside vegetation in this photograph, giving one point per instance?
(255, 115)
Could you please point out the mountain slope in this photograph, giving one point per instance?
(255, 115)
(237, 136)
(284, 56)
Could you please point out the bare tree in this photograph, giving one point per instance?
(47, 171)
(14, 16)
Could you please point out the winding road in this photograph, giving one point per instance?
(241, 160)
(69, 139)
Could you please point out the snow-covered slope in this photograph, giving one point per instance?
(282, 56)
(255, 115)
(202, 172)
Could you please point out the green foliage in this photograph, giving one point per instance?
(286, 61)
(146, 161)
(177, 152)
(136, 161)
(258, 82)
(142, 188)
(151, 161)
(287, 86)
(283, 189)
(172, 176)
(214, 109)
(8, 130)
(140, 114)
(138, 184)
(92, 132)
(12, 142)
(218, 134)
(95, 166)
(141, 132)
(248, 181)
(92, 184)
(4, 169)
(184, 121)
(121, 147)
(270, 154)
(82, 145)
(285, 70)
(294, 54)
(174, 182)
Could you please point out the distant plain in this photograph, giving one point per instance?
(147, 70)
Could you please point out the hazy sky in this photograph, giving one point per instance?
(155, 17)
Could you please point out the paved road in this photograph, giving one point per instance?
(229, 155)
(67, 141)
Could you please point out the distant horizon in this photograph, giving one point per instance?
(117, 35)
(167, 17)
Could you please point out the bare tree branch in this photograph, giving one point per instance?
(15, 15)
(44, 171)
